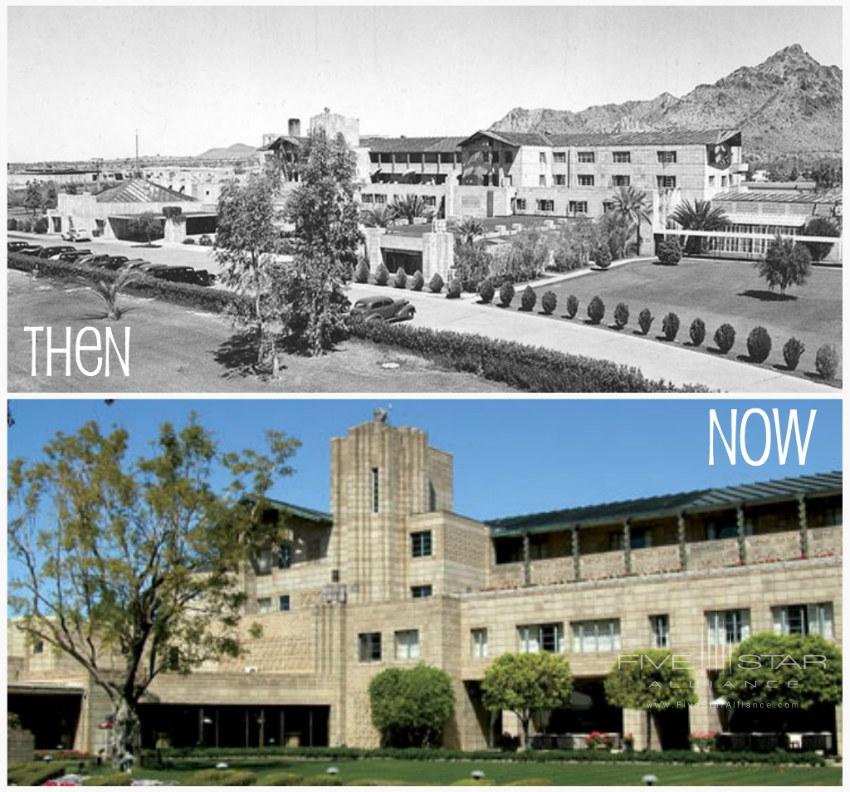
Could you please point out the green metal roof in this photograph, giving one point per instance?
(668, 505)
(311, 515)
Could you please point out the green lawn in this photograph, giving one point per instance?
(395, 771)
(716, 291)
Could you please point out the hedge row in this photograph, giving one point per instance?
(34, 773)
(200, 297)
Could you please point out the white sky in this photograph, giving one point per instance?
(81, 80)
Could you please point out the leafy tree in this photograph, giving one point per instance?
(527, 256)
(325, 215)
(822, 227)
(652, 680)
(698, 216)
(32, 199)
(633, 205)
(472, 263)
(145, 226)
(378, 217)
(411, 706)
(468, 230)
(785, 264)
(527, 683)
(409, 207)
(246, 245)
(576, 243)
(51, 196)
(799, 669)
(131, 566)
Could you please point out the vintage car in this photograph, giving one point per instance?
(382, 309)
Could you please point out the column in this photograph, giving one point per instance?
(742, 535)
(576, 556)
(627, 545)
(804, 526)
(526, 559)
(681, 536)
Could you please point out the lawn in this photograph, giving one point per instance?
(716, 291)
(175, 349)
(399, 772)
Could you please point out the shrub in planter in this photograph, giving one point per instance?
(596, 310)
(506, 294)
(436, 283)
(454, 290)
(572, 306)
(826, 361)
(670, 326)
(382, 274)
(548, 302)
(418, 281)
(792, 352)
(602, 259)
(645, 320)
(400, 279)
(189, 241)
(361, 274)
(41, 225)
(486, 290)
(621, 315)
(11, 224)
(697, 332)
(205, 240)
(724, 337)
(669, 252)
(758, 344)
(528, 299)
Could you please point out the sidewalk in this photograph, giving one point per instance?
(657, 360)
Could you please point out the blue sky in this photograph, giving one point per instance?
(511, 456)
(193, 77)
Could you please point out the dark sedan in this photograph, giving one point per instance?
(55, 250)
(17, 245)
(382, 309)
(72, 255)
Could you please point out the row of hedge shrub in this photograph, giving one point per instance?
(34, 773)
(28, 225)
(203, 298)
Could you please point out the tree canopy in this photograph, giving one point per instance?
(145, 226)
(786, 263)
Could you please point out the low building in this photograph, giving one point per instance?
(392, 576)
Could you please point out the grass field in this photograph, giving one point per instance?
(399, 772)
(716, 291)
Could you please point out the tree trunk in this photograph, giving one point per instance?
(126, 734)
(649, 730)
(525, 722)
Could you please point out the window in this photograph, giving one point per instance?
(479, 642)
(447, 157)
(494, 157)
(621, 181)
(665, 182)
(542, 157)
(560, 179)
(727, 627)
(420, 544)
(546, 206)
(723, 529)
(585, 180)
(429, 200)
(578, 207)
(520, 204)
(407, 645)
(386, 157)
(283, 602)
(666, 157)
(38, 646)
(376, 491)
(587, 156)
(380, 199)
(366, 198)
(541, 181)
(559, 157)
(660, 627)
(284, 560)
(804, 619)
(509, 157)
(264, 605)
(369, 647)
(417, 157)
(724, 181)
(421, 592)
(535, 638)
(596, 636)
(623, 157)
(711, 180)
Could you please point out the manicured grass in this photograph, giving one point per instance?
(394, 771)
(716, 291)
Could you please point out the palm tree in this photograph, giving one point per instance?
(698, 216)
(109, 290)
(409, 207)
(468, 230)
(633, 205)
(379, 217)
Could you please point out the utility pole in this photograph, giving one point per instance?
(137, 152)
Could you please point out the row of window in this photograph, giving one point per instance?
(444, 157)
(588, 180)
(381, 198)
(620, 157)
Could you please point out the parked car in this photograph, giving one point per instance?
(95, 260)
(186, 275)
(382, 309)
(76, 235)
(71, 255)
(16, 245)
(31, 250)
(54, 250)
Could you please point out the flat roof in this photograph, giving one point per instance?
(488, 224)
(782, 196)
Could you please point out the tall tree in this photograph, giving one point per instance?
(652, 680)
(468, 230)
(632, 204)
(145, 226)
(130, 567)
(325, 215)
(526, 683)
(32, 199)
(246, 245)
(786, 263)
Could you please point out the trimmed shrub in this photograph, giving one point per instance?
(189, 241)
(669, 252)
(826, 362)
(602, 259)
(11, 224)
(400, 279)
(528, 299)
(41, 225)
(205, 240)
(724, 337)
(454, 289)
(645, 320)
(436, 283)
(758, 344)
(361, 273)
(213, 777)
(621, 315)
(34, 773)
(596, 310)
(506, 294)
(283, 779)
(486, 290)
(418, 281)
(697, 332)
(109, 779)
(792, 352)
(572, 306)
(548, 302)
(820, 227)
(382, 275)
(670, 326)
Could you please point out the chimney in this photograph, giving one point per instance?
(294, 127)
